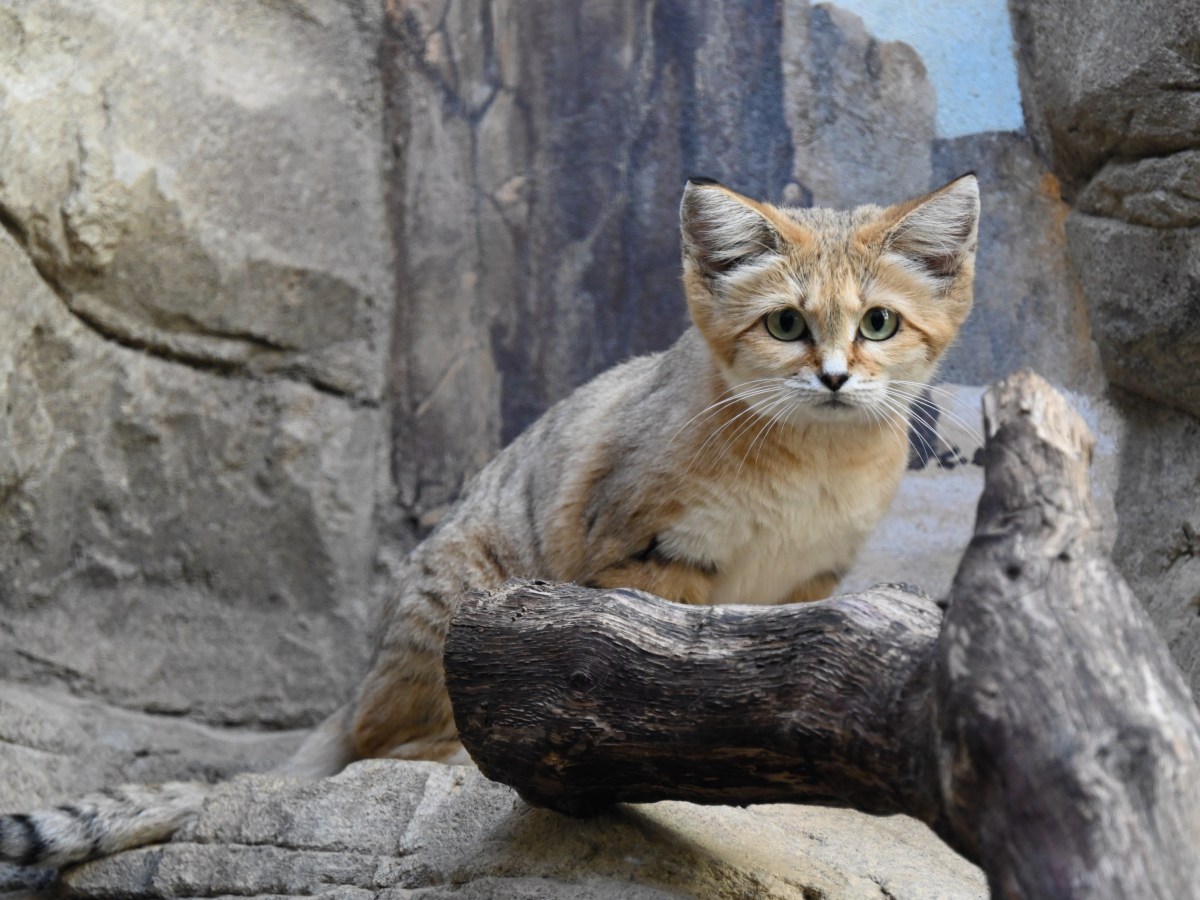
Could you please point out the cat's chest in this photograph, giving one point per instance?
(766, 538)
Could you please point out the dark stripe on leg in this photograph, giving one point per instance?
(36, 845)
(433, 598)
(91, 826)
(654, 553)
(493, 558)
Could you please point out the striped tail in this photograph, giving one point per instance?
(99, 824)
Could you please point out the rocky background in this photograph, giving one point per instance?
(277, 277)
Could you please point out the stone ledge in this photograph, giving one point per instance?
(403, 829)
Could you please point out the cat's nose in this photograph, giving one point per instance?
(833, 380)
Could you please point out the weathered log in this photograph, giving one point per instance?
(582, 698)
(1040, 727)
(1068, 743)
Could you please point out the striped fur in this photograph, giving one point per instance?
(721, 470)
(99, 824)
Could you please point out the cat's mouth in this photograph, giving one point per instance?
(834, 403)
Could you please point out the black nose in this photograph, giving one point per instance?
(833, 380)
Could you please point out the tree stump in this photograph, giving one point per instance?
(1039, 725)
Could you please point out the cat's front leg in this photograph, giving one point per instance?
(650, 567)
(819, 587)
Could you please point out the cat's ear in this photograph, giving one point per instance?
(721, 229)
(940, 231)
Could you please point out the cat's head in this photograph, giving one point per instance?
(823, 314)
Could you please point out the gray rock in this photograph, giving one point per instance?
(1029, 309)
(1143, 289)
(195, 295)
(1158, 541)
(861, 111)
(173, 539)
(1102, 80)
(54, 747)
(205, 184)
(393, 830)
(1111, 95)
(1160, 192)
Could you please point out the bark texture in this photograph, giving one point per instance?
(1039, 726)
(582, 698)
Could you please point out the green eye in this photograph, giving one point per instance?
(879, 324)
(786, 325)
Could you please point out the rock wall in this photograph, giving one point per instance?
(195, 305)
(1112, 94)
(1121, 121)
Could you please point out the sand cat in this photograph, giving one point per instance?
(745, 464)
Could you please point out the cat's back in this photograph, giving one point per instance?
(587, 456)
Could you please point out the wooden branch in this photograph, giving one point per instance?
(582, 698)
(1041, 728)
(1068, 743)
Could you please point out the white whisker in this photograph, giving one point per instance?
(950, 396)
(757, 386)
(751, 411)
(761, 413)
(927, 407)
(775, 420)
(889, 403)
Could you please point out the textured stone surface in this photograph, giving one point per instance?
(175, 540)
(204, 183)
(853, 101)
(1160, 192)
(385, 829)
(1105, 80)
(1143, 285)
(1158, 542)
(1112, 93)
(1112, 97)
(195, 291)
(54, 747)
(1030, 311)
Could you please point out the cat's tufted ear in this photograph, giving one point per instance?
(721, 229)
(940, 231)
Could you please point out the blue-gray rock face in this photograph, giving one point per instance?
(1143, 285)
